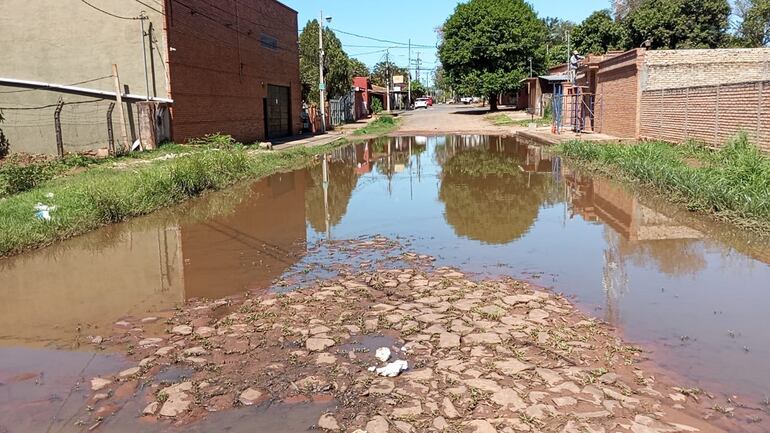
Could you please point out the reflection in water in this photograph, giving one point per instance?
(489, 205)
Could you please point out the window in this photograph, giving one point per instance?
(268, 41)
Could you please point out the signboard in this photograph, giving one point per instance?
(398, 79)
(322, 86)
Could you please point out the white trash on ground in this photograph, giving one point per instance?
(382, 354)
(393, 369)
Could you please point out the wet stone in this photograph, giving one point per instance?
(151, 408)
(182, 330)
(250, 397)
(327, 422)
(318, 344)
(97, 383)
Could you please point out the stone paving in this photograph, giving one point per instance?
(483, 356)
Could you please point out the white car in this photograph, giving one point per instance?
(421, 103)
(466, 100)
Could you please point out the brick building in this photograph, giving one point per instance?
(229, 66)
(708, 95)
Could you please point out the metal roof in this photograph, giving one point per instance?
(555, 77)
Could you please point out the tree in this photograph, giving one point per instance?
(418, 90)
(599, 33)
(358, 68)
(754, 27)
(672, 24)
(623, 8)
(337, 73)
(487, 45)
(556, 46)
(382, 69)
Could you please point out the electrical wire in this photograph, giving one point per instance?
(385, 41)
(112, 14)
(42, 107)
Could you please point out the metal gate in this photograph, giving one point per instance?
(343, 109)
(277, 108)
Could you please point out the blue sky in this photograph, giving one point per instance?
(416, 20)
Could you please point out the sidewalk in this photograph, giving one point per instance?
(310, 140)
(543, 135)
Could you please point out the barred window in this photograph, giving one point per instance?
(268, 41)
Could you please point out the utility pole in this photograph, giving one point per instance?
(569, 49)
(387, 81)
(143, 17)
(321, 85)
(409, 78)
(530, 67)
(419, 63)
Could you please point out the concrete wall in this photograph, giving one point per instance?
(220, 75)
(671, 69)
(66, 42)
(616, 106)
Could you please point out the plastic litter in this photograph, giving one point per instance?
(44, 211)
(382, 354)
(393, 369)
(49, 195)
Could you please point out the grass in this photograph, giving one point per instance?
(499, 119)
(103, 195)
(538, 121)
(732, 183)
(382, 125)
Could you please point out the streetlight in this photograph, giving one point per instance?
(321, 84)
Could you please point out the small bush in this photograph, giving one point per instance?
(18, 178)
(217, 141)
(376, 106)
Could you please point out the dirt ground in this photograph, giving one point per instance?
(455, 119)
(477, 357)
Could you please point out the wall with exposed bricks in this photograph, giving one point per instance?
(220, 69)
(710, 114)
(617, 91)
(670, 69)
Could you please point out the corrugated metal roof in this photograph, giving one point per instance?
(555, 77)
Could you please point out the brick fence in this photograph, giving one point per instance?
(617, 91)
(711, 114)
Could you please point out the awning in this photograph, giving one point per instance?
(555, 77)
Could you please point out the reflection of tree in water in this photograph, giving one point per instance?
(673, 257)
(487, 197)
(342, 181)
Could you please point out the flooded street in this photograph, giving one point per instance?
(692, 292)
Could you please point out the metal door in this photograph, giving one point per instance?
(277, 112)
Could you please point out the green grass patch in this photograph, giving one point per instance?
(499, 119)
(732, 183)
(104, 195)
(382, 125)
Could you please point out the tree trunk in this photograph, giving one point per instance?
(493, 102)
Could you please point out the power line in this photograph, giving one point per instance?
(385, 41)
(42, 107)
(112, 14)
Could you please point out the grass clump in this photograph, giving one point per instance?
(499, 119)
(732, 183)
(382, 125)
(104, 195)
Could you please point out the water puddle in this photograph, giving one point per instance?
(693, 291)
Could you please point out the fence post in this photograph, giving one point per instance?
(110, 134)
(57, 126)
(716, 122)
(759, 112)
(687, 114)
(660, 110)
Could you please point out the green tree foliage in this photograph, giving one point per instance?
(337, 72)
(754, 27)
(672, 24)
(487, 45)
(359, 68)
(600, 33)
(418, 89)
(556, 46)
(382, 69)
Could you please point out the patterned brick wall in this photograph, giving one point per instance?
(220, 69)
(711, 114)
(670, 69)
(617, 91)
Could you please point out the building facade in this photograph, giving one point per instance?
(229, 66)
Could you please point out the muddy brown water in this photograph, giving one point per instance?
(693, 292)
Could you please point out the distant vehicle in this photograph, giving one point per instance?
(430, 100)
(421, 103)
(466, 100)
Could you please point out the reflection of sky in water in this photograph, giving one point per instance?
(662, 280)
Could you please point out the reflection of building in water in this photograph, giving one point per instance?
(250, 247)
(635, 233)
(152, 264)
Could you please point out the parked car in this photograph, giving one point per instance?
(421, 103)
(430, 100)
(466, 100)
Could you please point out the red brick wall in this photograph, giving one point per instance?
(711, 114)
(617, 91)
(219, 69)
